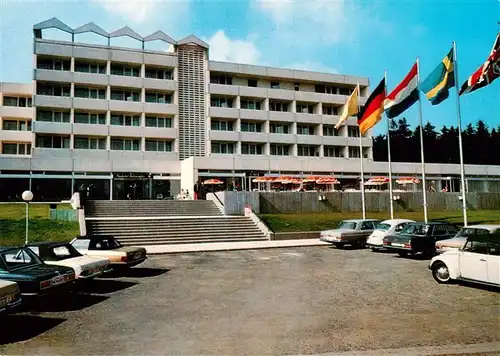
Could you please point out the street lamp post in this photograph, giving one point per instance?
(27, 197)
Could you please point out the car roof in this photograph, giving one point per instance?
(397, 221)
(359, 220)
(489, 227)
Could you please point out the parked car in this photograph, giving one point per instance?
(35, 278)
(108, 247)
(385, 228)
(10, 296)
(477, 261)
(350, 232)
(64, 254)
(419, 238)
(459, 240)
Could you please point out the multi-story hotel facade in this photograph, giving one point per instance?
(141, 122)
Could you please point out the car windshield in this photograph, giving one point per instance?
(19, 258)
(467, 231)
(383, 227)
(415, 229)
(350, 225)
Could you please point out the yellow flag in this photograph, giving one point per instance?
(350, 108)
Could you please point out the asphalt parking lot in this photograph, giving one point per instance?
(259, 302)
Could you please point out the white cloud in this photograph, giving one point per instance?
(224, 49)
(313, 66)
(311, 20)
(140, 11)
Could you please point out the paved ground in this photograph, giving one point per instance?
(259, 302)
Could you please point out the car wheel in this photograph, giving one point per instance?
(441, 273)
(402, 253)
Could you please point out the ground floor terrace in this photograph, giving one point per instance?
(57, 179)
(57, 186)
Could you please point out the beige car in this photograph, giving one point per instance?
(458, 241)
(108, 247)
(10, 296)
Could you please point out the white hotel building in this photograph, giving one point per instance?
(145, 122)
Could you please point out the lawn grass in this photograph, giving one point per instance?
(325, 221)
(41, 228)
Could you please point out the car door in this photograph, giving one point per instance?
(366, 228)
(473, 260)
(493, 262)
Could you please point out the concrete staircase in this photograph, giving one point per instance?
(162, 222)
(149, 208)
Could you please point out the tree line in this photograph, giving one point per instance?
(481, 145)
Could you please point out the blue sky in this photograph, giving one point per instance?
(348, 37)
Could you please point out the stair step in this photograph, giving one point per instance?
(188, 237)
(147, 234)
(148, 243)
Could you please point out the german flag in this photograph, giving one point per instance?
(372, 112)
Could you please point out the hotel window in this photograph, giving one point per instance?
(125, 70)
(305, 130)
(158, 98)
(330, 131)
(221, 102)
(52, 116)
(88, 67)
(305, 108)
(352, 131)
(250, 104)
(16, 125)
(307, 151)
(125, 95)
(330, 110)
(125, 144)
(53, 64)
(252, 83)
(251, 149)
(222, 147)
(333, 151)
(48, 141)
(221, 125)
(161, 122)
(279, 129)
(53, 89)
(16, 148)
(325, 89)
(279, 150)
(250, 126)
(125, 120)
(274, 85)
(278, 106)
(90, 143)
(354, 152)
(17, 101)
(90, 118)
(221, 79)
(158, 145)
(159, 73)
(345, 91)
(90, 93)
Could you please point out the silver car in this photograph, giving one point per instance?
(352, 232)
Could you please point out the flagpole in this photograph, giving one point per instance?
(362, 171)
(391, 202)
(459, 124)
(421, 142)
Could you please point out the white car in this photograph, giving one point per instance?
(64, 254)
(477, 261)
(385, 228)
(10, 296)
(460, 238)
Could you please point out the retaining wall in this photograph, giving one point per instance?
(309, 202)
